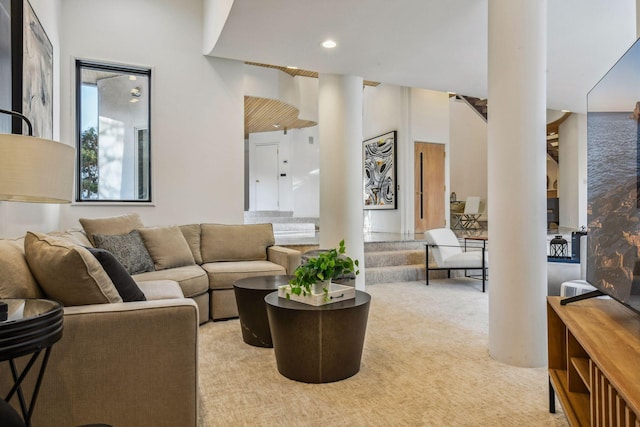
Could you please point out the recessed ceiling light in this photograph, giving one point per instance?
(133, 78)
(566, 111)
(134, 100)
(329, 44)
(276, 126)
(291, 67)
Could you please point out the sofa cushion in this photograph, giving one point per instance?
(68, 273)
(129, 250)
(77, 237)
(122, 224)
(161, 289)
(191, 232)
(245, 242)
(167, 246)
(122, 280)
(192, 279)
(223, 274)
(16, 280)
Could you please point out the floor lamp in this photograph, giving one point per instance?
(33, 169)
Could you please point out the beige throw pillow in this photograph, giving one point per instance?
(68, 273)
(16, 280)
(191, 232)
(167, 246)
(116, 225)
(245, 242)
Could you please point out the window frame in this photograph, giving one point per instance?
(79, 65)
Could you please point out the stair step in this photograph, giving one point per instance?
(290, 227)
(392, 246)
(394, 274)
(391, 258)
(267, 214)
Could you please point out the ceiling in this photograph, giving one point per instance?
(431, 44)
(268, 115)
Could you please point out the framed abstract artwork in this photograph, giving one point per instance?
(5, 64)
(31, 70)
(380, 172)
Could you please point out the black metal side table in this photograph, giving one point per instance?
(28, 326)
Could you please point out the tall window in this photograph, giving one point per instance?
(113, 133)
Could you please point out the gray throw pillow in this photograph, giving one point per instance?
(128, 249)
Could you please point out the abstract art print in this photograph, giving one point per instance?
(379, 175)
(5, 64)
(32, 69)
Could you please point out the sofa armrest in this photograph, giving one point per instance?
(288, 258)
(123, 364)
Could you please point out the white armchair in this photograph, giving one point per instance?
(449, 255)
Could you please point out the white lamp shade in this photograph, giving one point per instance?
(35, 170)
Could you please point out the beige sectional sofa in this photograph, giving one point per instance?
(133, 363)
(215, 255)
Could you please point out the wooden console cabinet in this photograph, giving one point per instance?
(594, 361)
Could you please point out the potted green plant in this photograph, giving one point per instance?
(317, 272)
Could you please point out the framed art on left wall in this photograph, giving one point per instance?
(5, 64)
(31, 70)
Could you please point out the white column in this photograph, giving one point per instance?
(340, 133)
(516, 182)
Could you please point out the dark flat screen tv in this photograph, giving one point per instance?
(613, 181)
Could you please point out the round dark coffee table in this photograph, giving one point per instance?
(318, 344)
(250, 293)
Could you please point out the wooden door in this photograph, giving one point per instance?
(429, 186)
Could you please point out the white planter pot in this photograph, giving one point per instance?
(318, 287)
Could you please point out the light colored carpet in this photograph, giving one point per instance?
(425, 363)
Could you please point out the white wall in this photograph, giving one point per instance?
(305, 169)
(573, 171)
(215, 16)
(468, 152)
(270, 83)
(308, 97)
(383, 113)
(197, 141)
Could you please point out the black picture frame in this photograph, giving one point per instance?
(31, 70)
(379, 173)
(5, 64)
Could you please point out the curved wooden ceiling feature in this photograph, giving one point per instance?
(305, 73)
(553, 136)
(261, 114)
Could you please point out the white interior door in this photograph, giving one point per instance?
(266, 176)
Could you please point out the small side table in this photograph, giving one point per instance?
(318, 344)
(252, 311)
(483, 239)
(31, 326)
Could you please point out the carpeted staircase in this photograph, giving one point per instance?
(393, 262)
(284, 223)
